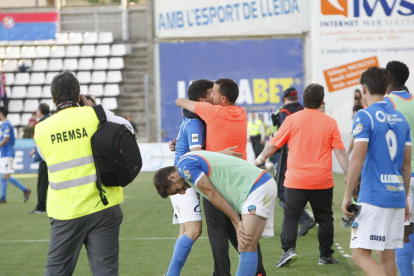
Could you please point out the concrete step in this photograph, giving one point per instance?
(134, 75)
(132, 88)
(133, 95)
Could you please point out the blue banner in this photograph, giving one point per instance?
(262, 68)
(23, 163)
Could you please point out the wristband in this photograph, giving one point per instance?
(260, 159)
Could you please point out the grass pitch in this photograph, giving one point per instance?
(147, 238)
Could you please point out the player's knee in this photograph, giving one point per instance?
(252, 247)
(193, 233)
(5, 176)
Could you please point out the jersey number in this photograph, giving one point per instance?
(392, 143)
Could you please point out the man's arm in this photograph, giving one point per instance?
(351, 145)
(186, 104)
(342, 159)
(4, 141)
(221, 203)
(406, 170)
(266, 153)
(354, 172)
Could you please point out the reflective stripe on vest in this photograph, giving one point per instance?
(73, 182)
(71, 164)
(255, 129)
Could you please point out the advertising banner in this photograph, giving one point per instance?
(28, 26)
(180, 19)
(23, 163)
(263, 69)
(351, 35)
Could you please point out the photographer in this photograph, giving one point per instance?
(77, 214)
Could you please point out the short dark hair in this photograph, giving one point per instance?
(4, 111)
(313, 96)
(65, 88)
(376, 79)
(357, 107)
(44, 108)
(229, 89)
(292, 98)
(399, 72)
(198, 89)
(161, 181)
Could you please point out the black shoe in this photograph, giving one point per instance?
(329, 260)
(37, 212)
(281, 203)
(287, 258)
(305, 226)
(27, 195)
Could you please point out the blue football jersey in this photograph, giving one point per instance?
(191, 135)
(7, 130)
(387, 132)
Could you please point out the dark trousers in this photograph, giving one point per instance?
(256, 144)
(42, 184)
(100, 234)
(321, 202)
(220, 228)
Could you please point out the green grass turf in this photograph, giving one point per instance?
(146, 215)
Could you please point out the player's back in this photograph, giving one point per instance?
(387, 133)
(403, 101)
(191, 135)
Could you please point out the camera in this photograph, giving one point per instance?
(81, 103)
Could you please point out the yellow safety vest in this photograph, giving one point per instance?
(256, 128)
(64, 141)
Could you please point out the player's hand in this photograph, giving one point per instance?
(230, 151)
(407, 211)
(171, 144)
(345, 204)
(88, 102)
(32, 152)
(243, 237)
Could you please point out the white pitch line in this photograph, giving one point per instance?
(121, 239)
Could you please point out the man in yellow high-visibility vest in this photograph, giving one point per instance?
(256, 133)
(77, 214)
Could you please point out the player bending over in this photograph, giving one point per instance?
(234, 186)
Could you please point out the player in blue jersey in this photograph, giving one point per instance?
(7, 140)
(382, 157)
(187, 212)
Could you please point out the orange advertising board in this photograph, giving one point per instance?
(349, 74)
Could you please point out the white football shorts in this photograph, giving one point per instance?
(378, 228)
(6, 165)
(261, 202)
(186, 207)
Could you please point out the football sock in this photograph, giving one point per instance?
(412, 244)
(404, 257)
(175, 245)
(181, 251)
(247, 264)
(17, 183)
(3, 188)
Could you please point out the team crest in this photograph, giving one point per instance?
(194, 137)
(355, 227)
(252, 209)
(358, 129)
(187, 175)
(8, 22)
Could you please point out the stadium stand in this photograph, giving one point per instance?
(93, 57)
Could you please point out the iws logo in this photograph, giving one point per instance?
(332, 7)
(357, 8)
(8, 22)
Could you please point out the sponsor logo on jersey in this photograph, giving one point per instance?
(194, 137)
(391, 178)
(197, 209)
(358, 129)
(187, 174)
(252, 209)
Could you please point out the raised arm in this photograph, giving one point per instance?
(186, 104)
(221, 203)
